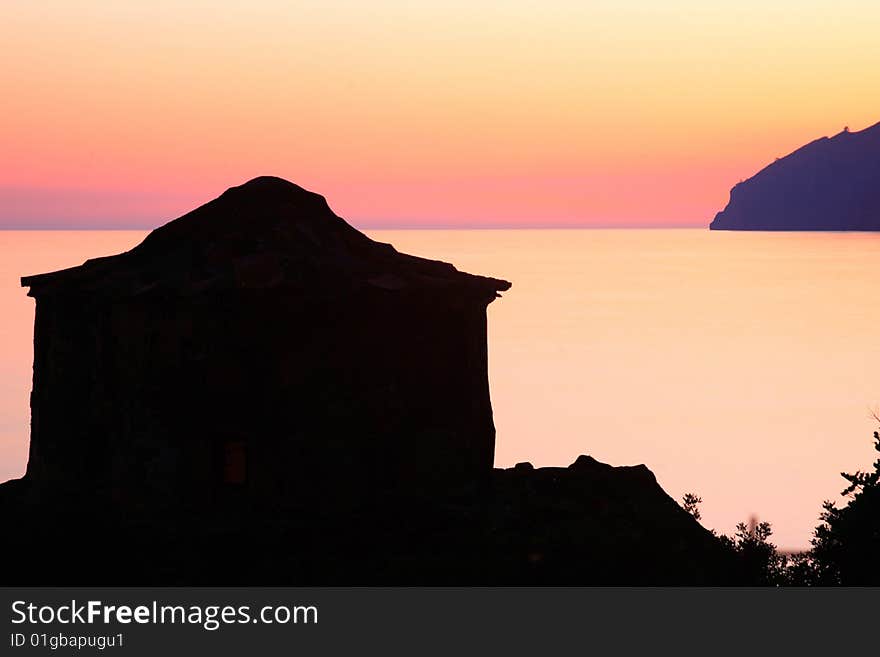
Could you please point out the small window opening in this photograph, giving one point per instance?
(234, 462)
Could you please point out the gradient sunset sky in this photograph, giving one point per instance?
(504, 113)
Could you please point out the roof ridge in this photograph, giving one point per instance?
(266, 232)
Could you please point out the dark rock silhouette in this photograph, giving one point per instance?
(259, 346)
(260, 394)
(829, 184)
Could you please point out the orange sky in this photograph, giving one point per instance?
(424, 114)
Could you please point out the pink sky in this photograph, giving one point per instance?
(420, 114)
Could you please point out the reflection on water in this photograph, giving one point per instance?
(741, 366)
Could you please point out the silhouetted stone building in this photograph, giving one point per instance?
(259, 347)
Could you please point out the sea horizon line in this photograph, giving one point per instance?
(50, 228)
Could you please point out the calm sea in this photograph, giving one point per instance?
(739, 366)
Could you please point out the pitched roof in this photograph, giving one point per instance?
(265, 233)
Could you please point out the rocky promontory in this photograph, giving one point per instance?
(831, 184)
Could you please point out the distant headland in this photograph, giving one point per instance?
(831, 184)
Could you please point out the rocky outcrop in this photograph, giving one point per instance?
(593, 523)
(829, 184)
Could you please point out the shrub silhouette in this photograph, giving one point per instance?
(690, 502)
(846, 546)
(759, 562)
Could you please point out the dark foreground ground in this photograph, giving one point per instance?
(589, 523)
